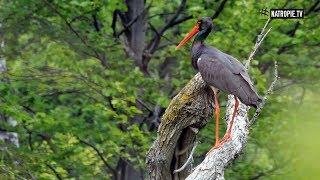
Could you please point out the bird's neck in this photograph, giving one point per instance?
(202, 35)
(198, 46)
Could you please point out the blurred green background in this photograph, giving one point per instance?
(299, 143)
(84, 85)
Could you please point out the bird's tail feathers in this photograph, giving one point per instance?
(259, 102)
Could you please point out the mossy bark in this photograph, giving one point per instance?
(189, 110)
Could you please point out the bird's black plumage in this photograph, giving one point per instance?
(221, 70)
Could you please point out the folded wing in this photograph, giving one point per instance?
(228, 75)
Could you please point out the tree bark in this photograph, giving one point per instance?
(216, 161)
(135, 34)
(188, 112)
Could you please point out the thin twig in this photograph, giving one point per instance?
(144, 105)
(269, 91)
(99, 154)
(127, 26)
(219, 9)
(264, 27)
(188, 160)
(58, 176)
(155, 31)
(76, 33)
(181, 20)
(153, 44)
(259, 40)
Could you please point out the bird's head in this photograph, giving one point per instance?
(203, 25)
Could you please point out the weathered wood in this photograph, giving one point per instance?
(192, 107)
(217, 160)
(161, 157)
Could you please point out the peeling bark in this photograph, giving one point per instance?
(191, 108)
(216, 161)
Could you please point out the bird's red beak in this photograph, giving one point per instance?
(193, 32)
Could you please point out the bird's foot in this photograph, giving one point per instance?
(226, 138)
(216, 146)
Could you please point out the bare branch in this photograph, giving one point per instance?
(99, 154)
(102, 59)
(114, 21)
(157, 33)
(269, 91)
(58, 176)
(190, 108)
(213, 166)
(219, 9)
(259, 40)
(96, 22)
(181, 20)
(188, 160)
(144, 105)
(156, 39)
(313, 8)
(127, 26)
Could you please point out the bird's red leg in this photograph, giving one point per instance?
(217, 113)
(217, 116)
(227, 136)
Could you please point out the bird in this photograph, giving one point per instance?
(221, 72)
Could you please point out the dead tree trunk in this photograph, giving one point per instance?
(188, 112)
(135, 34)
(215, 162)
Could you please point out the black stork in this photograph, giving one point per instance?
(221, 72)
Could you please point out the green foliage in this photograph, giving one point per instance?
(75, 115)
